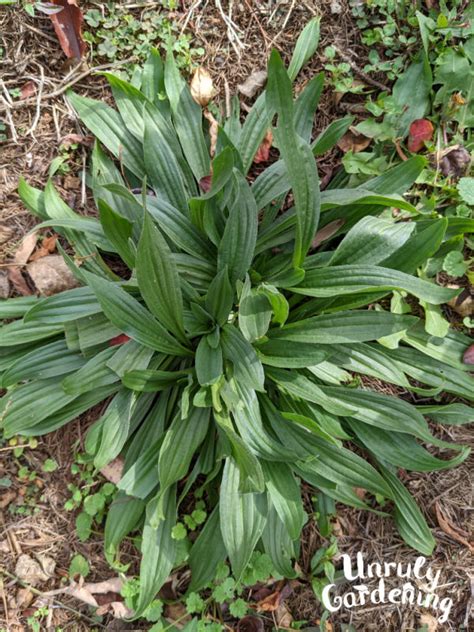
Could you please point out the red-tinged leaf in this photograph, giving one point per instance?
(468, 357)
(28, 90)
(119, 340)
(205, 183)
(421, 130)
(68, 27)
(263, 152)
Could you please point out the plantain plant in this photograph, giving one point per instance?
(228, 326)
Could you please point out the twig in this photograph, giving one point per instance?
(361, 73)
(189, 15)
(38, 102)
(38, 593)
(285, 22)
(231, 28)
(56, 93)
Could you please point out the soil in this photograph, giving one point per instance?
(33, 521)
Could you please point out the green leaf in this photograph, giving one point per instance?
(119, 231)
(122, 517)
(330, 135)
(208, 361)
(207, 552)
(466, 190)
(158, 551)
(278, 544)
(115, 424)
(79, 566)
(450, 414)
(297, 355)
(285, 494)
(181, 442)
(107, 125)
(220, 297)
(153, 77)
(247, 367)
(242, 518)
(306, 45)
(158, 279)
(132, 318)
(342, 327)
(349, 279)
(63, 307)
(163, 168)
(408, 518)
(411, 94)
(237, 245)
(297, 156)
(150, 380)
(254, 314)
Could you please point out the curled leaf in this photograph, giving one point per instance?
(202, 87)
(67, 24)
(468, 357)
(263, 152)
(253, 83)
(421, 130)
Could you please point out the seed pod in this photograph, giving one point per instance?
(202, 88)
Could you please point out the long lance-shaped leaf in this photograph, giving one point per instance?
(108, 126)
(242, 518)
(284, 491)
(237, 245)
(349, 326)
(158, 279)
(305, 48)
(408, 518)
(349, 279)
(126, 313)
(158, 551)
(297, 156)
(207, 553)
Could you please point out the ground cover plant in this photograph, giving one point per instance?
(224, 322)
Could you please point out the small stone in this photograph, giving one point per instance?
(51, 275)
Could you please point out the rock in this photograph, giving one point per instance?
(253, 83)
(51, 275)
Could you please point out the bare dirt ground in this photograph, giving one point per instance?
(33, 521)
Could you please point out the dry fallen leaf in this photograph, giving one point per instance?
(421, 130)
(455, 532)
(48, 246)
(430, 623)
(28, 90)
(29, 570)
(202, 88)
(76, 139)
(68, 27)
(328, 231)
(463, 303)
(263, 152)
(253, 83)
(283, 617)
(7, 498)
(20, 259)
(113, 471)
(453, 161)
(270, 603)
(51, 275)
(353, 141)
(468, 357)
(213, 131)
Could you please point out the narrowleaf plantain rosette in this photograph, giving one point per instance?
(229, 353)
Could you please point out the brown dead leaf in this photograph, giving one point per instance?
(48, 246)
(29, 570)
(6, 498)
(213, 131)
(468, 357)
(23, 598)
(6, 233)
(71, 183)
(421, 130)
(353, 141)
(270, 603)
(20, 259)
(113, 471)
(263, 152)
(68, 27)
(51, 275)
(463, 303)
(253, 83)
(455, 532)
(327, 232)
(454, 161)
(283, 617)
(429, 622)
(202, 88)
(76, 139)
(176, 613)
(28, 90)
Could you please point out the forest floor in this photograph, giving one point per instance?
(34, 526)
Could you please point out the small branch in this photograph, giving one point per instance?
(368, 80)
